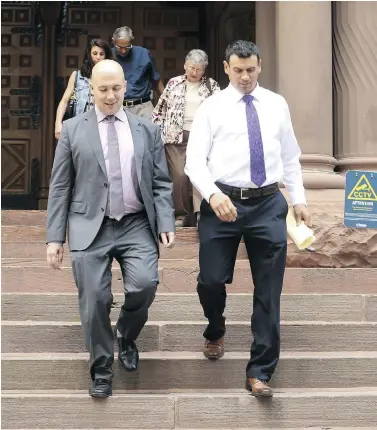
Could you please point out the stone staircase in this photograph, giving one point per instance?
(326, 378)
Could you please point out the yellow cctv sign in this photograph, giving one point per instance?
(360, 199)
(363, 190)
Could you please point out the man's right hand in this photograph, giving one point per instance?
(223, 207)
(55, 254)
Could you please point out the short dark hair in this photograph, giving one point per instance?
(87, 65)
(243, 49)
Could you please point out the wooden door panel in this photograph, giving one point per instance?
(169, 32)
(83, 23)
(21, 60)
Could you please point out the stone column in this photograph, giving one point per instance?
(304, 78)
(266, 40)
(355, 85)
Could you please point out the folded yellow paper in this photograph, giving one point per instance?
(301, 235)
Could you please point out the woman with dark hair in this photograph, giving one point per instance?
(79, 82)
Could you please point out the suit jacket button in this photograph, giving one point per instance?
(102, 209)
(105, 185)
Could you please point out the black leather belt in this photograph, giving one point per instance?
(248, 193)
(107, 218)
(130, 103)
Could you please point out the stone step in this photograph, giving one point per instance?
(23, 218)
(301, 408)
(37, 249)
(312, 336)
(187, 370)
(187, 247)
(21, 242)
(179, 276)
(238, 428)
(37, 233)
(186, 307)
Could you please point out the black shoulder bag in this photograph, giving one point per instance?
(71, 108)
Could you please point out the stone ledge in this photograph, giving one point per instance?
(336, 246)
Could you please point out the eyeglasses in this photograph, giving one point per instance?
(193, 69)
(127, 48)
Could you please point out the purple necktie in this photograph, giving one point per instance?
(257, 168)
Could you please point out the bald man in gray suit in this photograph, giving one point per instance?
(110, 183)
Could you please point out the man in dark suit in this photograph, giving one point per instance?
(110, 182)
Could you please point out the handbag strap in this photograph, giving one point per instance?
(208, 85)
(74, 88)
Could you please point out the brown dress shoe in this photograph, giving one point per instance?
(258, 388)
(214, 349)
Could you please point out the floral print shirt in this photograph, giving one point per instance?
(170, 109)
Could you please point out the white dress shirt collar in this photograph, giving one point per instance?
(121, 115)
(235, 95)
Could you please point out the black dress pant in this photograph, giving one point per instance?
(261, 222)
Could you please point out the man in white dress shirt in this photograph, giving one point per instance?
(239, 139)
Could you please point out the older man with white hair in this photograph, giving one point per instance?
(139, 71)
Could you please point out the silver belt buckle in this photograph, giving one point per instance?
(242, 196)
(130, 103)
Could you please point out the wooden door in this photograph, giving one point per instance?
(83, 22)
(21, 60)
(169, 32)
(167, 29)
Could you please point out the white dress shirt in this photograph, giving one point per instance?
(218, 148)
(130, 184)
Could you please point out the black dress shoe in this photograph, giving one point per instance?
(101, 388)
(128, 355)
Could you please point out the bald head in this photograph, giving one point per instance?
(108, 86)
(107, 67)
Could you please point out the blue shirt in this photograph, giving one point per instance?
(139, 72)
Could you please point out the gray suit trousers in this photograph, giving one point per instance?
(131, 243)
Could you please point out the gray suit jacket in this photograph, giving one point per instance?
(79, 185)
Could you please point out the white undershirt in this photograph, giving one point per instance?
(192, 103)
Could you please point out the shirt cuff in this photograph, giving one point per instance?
(212, 189)
(298, 196)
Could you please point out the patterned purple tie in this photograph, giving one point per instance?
(257, 167)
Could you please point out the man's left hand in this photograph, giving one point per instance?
(302, 214)
(167, 239)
